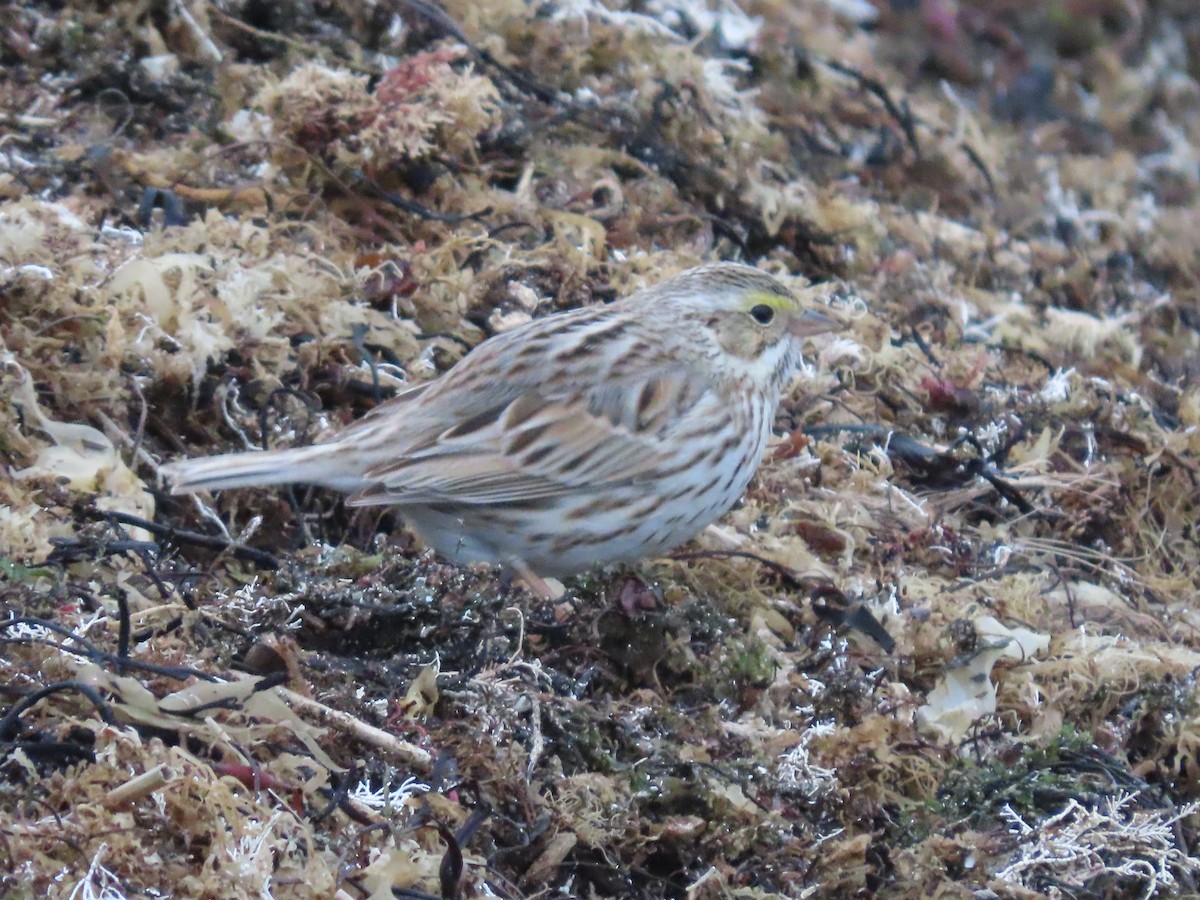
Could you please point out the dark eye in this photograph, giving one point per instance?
(762, 314)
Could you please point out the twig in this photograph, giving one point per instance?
(182, 536)
(368, 734)
(141, 786)
(440, 19)
(90, 651)
(417, 209)
(8, 725)
(901, 113)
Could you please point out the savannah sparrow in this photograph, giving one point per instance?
(585, 438)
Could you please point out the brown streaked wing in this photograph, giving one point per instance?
(491, 376)
(540, 447)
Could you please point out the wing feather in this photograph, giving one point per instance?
(538, 446)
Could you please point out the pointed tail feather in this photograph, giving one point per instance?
(298, 465)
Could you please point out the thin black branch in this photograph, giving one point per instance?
(183, 536)
(8, 725)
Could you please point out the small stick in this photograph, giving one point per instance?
(368, 734)
(136, 788)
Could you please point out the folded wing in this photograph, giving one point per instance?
(537, 446)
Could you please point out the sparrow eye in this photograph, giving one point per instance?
(762, 314)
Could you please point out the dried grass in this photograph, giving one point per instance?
(220, 232)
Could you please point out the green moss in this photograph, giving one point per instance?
(16, 573)
(1035, 784)
(748, 666)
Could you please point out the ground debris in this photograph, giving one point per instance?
(947, 645)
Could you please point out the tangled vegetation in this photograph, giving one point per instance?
(947, 644)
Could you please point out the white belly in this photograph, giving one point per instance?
(572, 534)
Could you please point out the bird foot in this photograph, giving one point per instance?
(546, 588)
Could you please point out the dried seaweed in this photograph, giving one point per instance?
(947, 643)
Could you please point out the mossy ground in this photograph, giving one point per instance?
(238, 225)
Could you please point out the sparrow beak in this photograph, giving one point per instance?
(816, 322)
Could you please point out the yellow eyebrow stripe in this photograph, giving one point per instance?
(775, 301)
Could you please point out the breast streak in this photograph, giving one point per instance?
(675, 509)
(562, 536)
